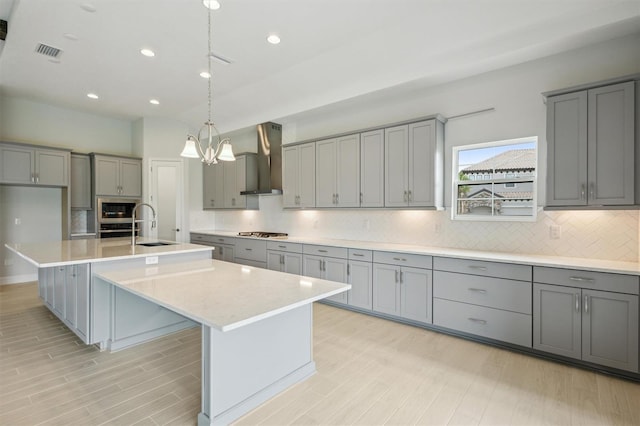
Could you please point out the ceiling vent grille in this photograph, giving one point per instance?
(50, 51)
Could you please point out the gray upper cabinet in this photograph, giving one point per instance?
(223, 182)
(414, 164)
(372, 169)
(338, 172)
(117, 176)
(26, 165)
(80, 182)
(577, 321)
(591, 147)
(299, 176)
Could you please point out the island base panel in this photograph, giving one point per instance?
(244, 367)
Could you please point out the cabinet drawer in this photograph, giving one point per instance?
(402, 259)
(498, 293)
(487, 269)
(251, 250)
(586, 279)
(364, 255)
(201, 238)
(284, 246)
(329, 251)
(510, 327)
(218, 239)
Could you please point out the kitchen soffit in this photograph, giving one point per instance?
(332, 50)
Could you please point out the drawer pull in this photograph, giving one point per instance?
(401, 259)
(477, 320)
(476, 267)
(582, 279)
(322, 251)
(221, 240)
(248, 249)
(358, 254)
(284, 247)
(478, 290)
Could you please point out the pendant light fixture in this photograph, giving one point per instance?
(215, 148)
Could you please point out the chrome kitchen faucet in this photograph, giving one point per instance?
(134, 221)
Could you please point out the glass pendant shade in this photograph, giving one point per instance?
(227, 153)
(189, 150)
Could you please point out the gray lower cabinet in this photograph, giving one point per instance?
(224, 246)
(284, 257)
(327, 263)
(360, 276)
(403, 291)
(65, 291)
(251, 252)
(591, 325)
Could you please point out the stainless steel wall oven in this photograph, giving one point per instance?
(114, 217)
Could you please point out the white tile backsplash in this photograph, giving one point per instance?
(612, 235)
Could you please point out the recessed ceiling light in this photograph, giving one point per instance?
(273, 39)
(92, 96)
(70, 36)
(211, 4)
(88, 7)
(205, 74)
(154, 102)
(148, 52)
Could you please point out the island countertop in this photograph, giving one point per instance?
(222, 295)
(69, 252)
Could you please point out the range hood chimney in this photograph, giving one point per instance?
(269, 160)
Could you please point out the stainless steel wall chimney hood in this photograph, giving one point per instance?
(269, 160)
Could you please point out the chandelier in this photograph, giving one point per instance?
(207, 145)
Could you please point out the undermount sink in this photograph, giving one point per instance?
(154, 244)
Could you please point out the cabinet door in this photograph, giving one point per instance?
(82, 277)
(361, 280)
(372, 169)
(312, 266)
(396, 161)
(293, 263)
(348, 171)
(307, 185)
(80, 182)
(610, 329)
(49, 276)
(241, 181)
(556, 320)
(416, 290)
(52, 167)
(17, 165)
(275, 260)
(230, 180)
(386, 289)
(59, 282)
(212, 186)
(71, 294)
(107, 174)
(611, 145)
(131, 178)
(326, 173)
(290, 176)
(422, 155)
(336, 270)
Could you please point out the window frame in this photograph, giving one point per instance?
(495, 181)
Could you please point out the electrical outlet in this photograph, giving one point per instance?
(18, 221)
(555, 231)
(151, 260)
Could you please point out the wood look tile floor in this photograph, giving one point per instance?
(370, 372)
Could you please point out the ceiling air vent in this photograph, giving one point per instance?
(52, 52)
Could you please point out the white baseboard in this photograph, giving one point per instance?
(18, 279)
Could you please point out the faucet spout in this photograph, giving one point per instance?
(134, 221)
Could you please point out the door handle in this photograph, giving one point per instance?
(176, 229)
(586, 304)
(577, 302)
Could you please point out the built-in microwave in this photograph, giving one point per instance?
(114, 217)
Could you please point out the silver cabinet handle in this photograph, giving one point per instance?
(478, 290)
(37, 177)
(248, 249)
(348, 269)
(477, 268)
(282, 247)
(33, 178)
(582, 192)
(397, 276)
(358, 254)
(282, 259)
(221, 240)
(337, 199)
(361, 198)
(477, 320)
(582, 279)
(577, 302)
(324, 265)
(405, 198)
(586, 304)
(410, 196)
(322, 251)
(401, 278)
(592, 191)
(400, 259)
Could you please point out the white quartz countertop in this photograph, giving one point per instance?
(222, 295)
(69, 252)
(598, 265)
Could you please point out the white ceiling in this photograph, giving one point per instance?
(331, 50)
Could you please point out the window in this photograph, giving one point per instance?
(495, 180)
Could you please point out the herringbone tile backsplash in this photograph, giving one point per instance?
(589, 234)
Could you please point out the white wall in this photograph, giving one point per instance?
(515, 93)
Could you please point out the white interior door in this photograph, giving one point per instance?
(168, 199)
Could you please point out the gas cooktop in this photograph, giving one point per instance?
(260, 234)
